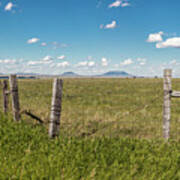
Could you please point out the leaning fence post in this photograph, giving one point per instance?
(5, 96)
(167, 103)
(55, 108)
(15, 97)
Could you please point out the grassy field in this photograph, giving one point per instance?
(110, 129)
(104, 107)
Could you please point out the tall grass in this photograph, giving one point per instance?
(101, 135)
(27, 153)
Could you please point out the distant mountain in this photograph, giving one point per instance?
(107, 74)
(72, 74)
(69, 74)
(116, 74)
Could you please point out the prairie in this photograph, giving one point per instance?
(110, 129)
(103, 107)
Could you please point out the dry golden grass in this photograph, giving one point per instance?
(103, 107)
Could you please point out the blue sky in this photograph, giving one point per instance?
(89, 37)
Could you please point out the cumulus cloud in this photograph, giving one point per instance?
(91, 63)
(35, 63)
(83, 63)
(104, 62)
(115, 4)
(119, 3)
(8, 61)
(33, 40)
(86, 64)
(127, 62)
(63, 64)
(109, 26)
(47, 58)
(156, 37)
(44, 61)
(171, 42)
(125, 4)
(61, 57)
(32, 63)
(9, 6)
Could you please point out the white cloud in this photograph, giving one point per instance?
(91, 63)
(63, 64)
(115, 4)
(35, 63)
(156, 37)
(47, 62)
(61, 57)
(111, 26)
(32, 63)
(142, 61)
(43, 44)
(8, 61)
(171, 42)
(86, 64)
(119, 3)
(104, 62)
(125, 4)
(47, 58)
(9, 6)
(33, 40)
(83, 63)
(127, 62)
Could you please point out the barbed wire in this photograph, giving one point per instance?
(136, 110)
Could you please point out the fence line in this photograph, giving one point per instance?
(54, 122)
(5, 96)
(15, 97)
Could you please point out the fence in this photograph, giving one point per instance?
(55, 115)
(54, 122)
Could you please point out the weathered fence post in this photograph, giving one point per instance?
(55, 108)
(15, 97)
(5, 96)
(167, 103)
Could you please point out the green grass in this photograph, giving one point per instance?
(27, 153)
(99, 137)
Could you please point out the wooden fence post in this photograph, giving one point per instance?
(5, 96)
(167, 103)
(15, 97)
(55, 108)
